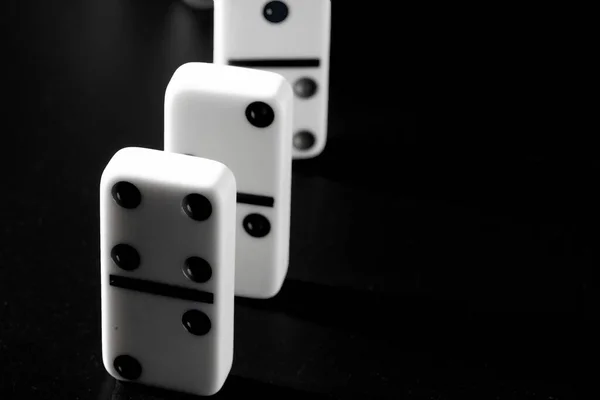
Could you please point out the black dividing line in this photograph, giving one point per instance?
(160, 289)
(274, 63)
(255, 199)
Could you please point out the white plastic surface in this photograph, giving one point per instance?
(205, 115)
(242, 32)
(149, 327)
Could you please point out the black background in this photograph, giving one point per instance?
(457, 266)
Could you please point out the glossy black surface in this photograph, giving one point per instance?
(459, 266)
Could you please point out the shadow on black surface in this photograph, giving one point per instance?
(235, 387)
(387, 161)
(446, 326)
(359, 311)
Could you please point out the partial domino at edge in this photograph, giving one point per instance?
(291, 38)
